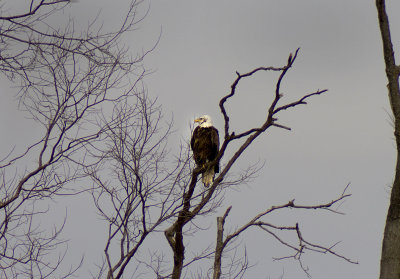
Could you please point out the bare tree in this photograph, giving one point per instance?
(390, 258)
(141, 189)
(135, 190)
(97, 122)
(193, 208)
(67, 79)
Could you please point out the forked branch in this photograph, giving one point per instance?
(301, 247)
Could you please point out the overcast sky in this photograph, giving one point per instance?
(338, 138)
(344, 136)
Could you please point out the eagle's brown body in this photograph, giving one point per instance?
(205, 146)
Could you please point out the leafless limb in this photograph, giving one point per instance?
(256, 222)
(390, 257)
(34, 8)
(220, 243)
(135, 188)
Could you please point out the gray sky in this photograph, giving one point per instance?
(341, 137)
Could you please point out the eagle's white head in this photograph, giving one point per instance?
(204, 121)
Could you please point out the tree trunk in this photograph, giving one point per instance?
(390, 259)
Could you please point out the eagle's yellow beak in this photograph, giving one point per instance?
(197, 120)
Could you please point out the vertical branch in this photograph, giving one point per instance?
(390, 268)
(219, 247)
(392, 70)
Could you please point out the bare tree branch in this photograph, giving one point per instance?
(272, 229)
(389, 268)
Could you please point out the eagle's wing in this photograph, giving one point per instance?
(192, 140)
(215, 139)
(215, 143)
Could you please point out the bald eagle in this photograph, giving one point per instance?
(205, 146)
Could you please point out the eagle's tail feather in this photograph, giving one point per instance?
(208, 177)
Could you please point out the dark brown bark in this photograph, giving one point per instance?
(220, 245)
(174, 234)
(390, 259)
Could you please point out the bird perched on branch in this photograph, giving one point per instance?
(205, 146)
